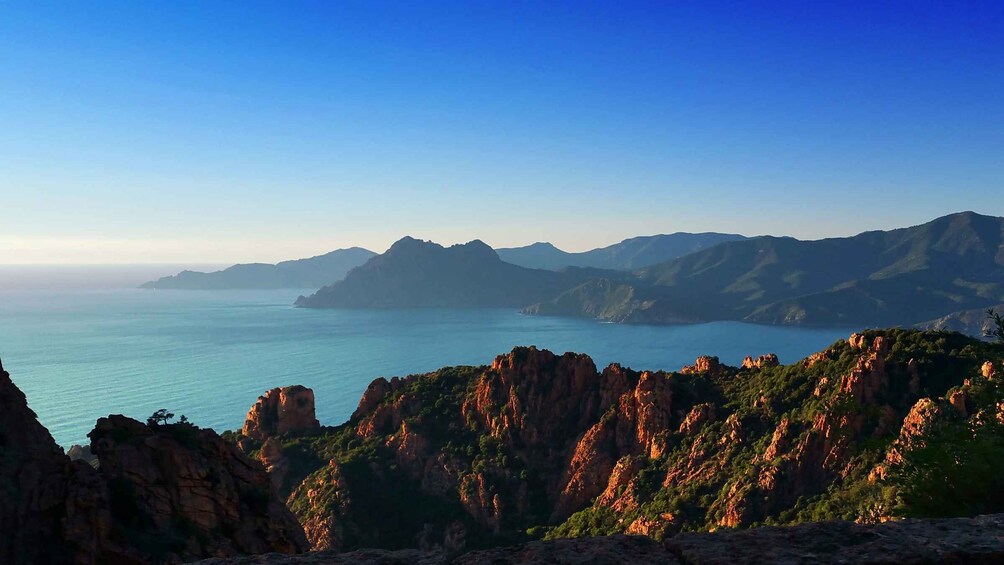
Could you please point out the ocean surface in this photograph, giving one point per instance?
(79, 355)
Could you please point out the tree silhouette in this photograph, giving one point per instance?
(159, 418)
(996, 326)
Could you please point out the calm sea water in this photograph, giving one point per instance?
(80, 355)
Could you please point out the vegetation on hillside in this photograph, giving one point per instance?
(901, 423)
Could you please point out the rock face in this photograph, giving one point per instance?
(164, 494)
(280, 411)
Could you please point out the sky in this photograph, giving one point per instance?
(219, 132)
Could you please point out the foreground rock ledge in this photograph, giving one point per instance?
(954, 541)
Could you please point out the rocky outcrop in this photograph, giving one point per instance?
(162, 494)
(275, 461)
(760, 362)
(957, 541)
(703, 364)
(280, 411)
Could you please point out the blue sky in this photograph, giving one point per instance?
(213, 131)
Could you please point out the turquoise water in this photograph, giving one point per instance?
(82, 355)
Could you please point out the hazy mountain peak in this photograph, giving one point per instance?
(311, 272)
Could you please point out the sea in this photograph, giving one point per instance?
(85, 342)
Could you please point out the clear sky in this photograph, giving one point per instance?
(212, 131)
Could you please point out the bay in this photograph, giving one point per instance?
(80, 355)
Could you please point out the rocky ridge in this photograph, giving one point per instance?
(544, 445)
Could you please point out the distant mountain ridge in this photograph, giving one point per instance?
(422, 274)
(300, 273)
(901, 276)
(973, 322)
(633, 253)
(904, 276)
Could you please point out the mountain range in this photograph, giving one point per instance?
(300, 273)
(326, 269)
(903, 276)
(634, 253)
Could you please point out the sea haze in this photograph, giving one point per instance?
(80, 355)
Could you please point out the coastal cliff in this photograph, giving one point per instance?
(543, 456)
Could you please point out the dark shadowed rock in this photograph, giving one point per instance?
(161, 494)
(959, 541)
(953, 541)
(34, 476)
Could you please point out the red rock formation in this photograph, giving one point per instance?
(326, 493)
(780, 441)
(960, 402)
(590, 468)
(575, 438)
(659, 527)
(761, 362)
(697, 417)
(869, 375)
(703, 364)
(279, 411)
(817, 357)
(917, 423)
(856, 341)
(533, 398)
(274, 460)
(617, 494)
